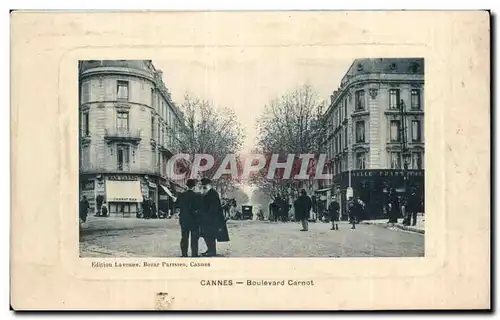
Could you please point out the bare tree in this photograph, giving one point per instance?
(209, 130)
(290, 124)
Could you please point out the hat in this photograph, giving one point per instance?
(205, 181)
(190, 183)
(303, 192)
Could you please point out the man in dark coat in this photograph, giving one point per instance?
(212, 217)
(394, 211)
(333, 212)
(146, 208)
(303, 206)
(84, 208)
(189, 204)
(413, 208)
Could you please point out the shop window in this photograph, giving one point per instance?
(394, 99)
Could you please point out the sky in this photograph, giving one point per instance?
(246, 80)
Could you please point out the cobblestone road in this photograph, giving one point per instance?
(108, 237)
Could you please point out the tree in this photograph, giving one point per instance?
(290, 124)
(209, 130)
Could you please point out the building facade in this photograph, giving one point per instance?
(128, 124)
(374, 131)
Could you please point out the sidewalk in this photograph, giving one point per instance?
(419, 227)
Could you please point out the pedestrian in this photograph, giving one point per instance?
(394, 210)
(104, 209)
(333, 212)
(212, 217)
(153, 210)
(189, 204)
(352, 207)
(413, 208)
(146, 208)
(303, 206)
(84, 209)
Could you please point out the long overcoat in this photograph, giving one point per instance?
(212, 217)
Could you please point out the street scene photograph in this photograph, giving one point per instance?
(243, 157)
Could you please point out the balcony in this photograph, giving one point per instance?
(122, 134)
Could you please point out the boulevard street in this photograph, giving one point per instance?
(130, 237)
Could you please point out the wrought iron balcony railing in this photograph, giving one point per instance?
(124, 134)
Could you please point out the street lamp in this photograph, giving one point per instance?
(404, 151)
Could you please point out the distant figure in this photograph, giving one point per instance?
(333, 212)
(303, 206)
(104, 209)
(413, 208)
(352, 207)
(146, 208)
(394, 208)
(84, 208)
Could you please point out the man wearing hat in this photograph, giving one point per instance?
(189, 203)
(212, 216)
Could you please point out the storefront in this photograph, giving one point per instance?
(373, 186)
(123, 197)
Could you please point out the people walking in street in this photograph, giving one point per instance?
(303, 206)
(212, 217)
(413, 208)
(333, 212)
(104, 209)
(153, 209)
(84, 209)
(189, 204)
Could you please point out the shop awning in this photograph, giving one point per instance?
(123, 191)
(167, 191)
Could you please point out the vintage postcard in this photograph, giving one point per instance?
(250, 160)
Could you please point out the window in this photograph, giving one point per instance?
(394, 99)
(395, 160)
(345, 109)
(360, 100)
(86, 92)
(85, 124)
(360, 131)
(122, 120)
(395, 130)
(415, 99)
(345, 137)
(360, 160)
(340, 141)
(123, 157)
(415, 130)
(152, 126)
(152, 98)
(416, 160)
(122, 90)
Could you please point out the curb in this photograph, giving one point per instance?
(399, 226)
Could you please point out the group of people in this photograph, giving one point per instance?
(412, 205)
(279, 209)
(148, 209)
(201, 215)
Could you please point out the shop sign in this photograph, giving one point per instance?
(151, 184)
(122, 178)
(88, 185)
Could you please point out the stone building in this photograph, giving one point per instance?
(128, 124)
(375, 122)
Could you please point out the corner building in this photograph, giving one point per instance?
(376, 115)
(127, 130)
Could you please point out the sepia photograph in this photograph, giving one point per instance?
(332, 166)
(251, 160)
